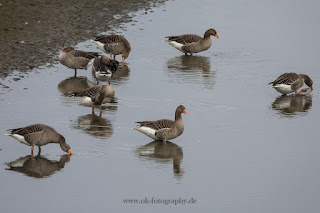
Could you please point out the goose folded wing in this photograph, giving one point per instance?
(286, 78)
(185, 39)
(157, 125)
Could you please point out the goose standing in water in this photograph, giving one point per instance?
(39, 135)
(163, 129)
(114, 45)
(103, 68)
(292, 82)
(191, 43)
(76, 59)
(95, 96)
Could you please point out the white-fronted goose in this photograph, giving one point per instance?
(291, 82)
(191, 43)
(39, 135)
(103, 68)
(113, 45)
(95, 96)
(163, 129)
(76, 59)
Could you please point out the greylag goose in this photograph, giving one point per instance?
(95, 96)
(76, 59)
(39, 135)
(292, 82)
(191, 43)
(113, 45)
(103, 68)
(163, 129)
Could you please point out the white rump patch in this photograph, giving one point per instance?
(20, 138)
(86, 101)
(147, 131)
(176, 45)
(100, 45)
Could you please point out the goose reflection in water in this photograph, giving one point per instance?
(291, 105)
(161, 152)
(95, 126)
(191, 69)
(73, 85)
(38, 166)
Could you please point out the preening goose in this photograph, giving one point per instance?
(39, 135)
(163, 129)
(95, 96)
(191, 43)
(114, 45)
(103, 68)
(76, 59)
(292, 82)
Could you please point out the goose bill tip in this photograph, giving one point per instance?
(185, 112)
(69, 151)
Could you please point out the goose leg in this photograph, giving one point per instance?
(32, 150)
(97, 82)
(114, 57)
(110, 55)
(109, 81)
(75, 72)
(93, 109)
(39, 150)
(100, 110)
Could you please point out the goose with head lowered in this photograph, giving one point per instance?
(292, 82)
(39, 135)
(114, 45)
(76, 59)
(103, 68)
(95, 96)
(163, 129)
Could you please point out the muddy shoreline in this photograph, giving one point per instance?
(32, 33)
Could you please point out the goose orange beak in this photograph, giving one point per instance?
(311, 88)
(69, 151)
(216, 35)
(185, 112)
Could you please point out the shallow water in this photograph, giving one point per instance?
(245, 148)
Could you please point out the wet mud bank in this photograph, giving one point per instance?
(31, 33)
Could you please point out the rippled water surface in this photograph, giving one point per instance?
(245, 147)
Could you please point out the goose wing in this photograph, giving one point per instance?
(157, 125)
(286, 78)
(32, 134)
(90, 92)
(185, 39)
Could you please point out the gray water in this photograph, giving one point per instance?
(245, 148)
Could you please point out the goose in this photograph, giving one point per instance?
(292, 82)
(191, 43)
(103, 68)
(163, 129)
(113, 45)
(76, 59)
(39, 135)
(95, 96)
